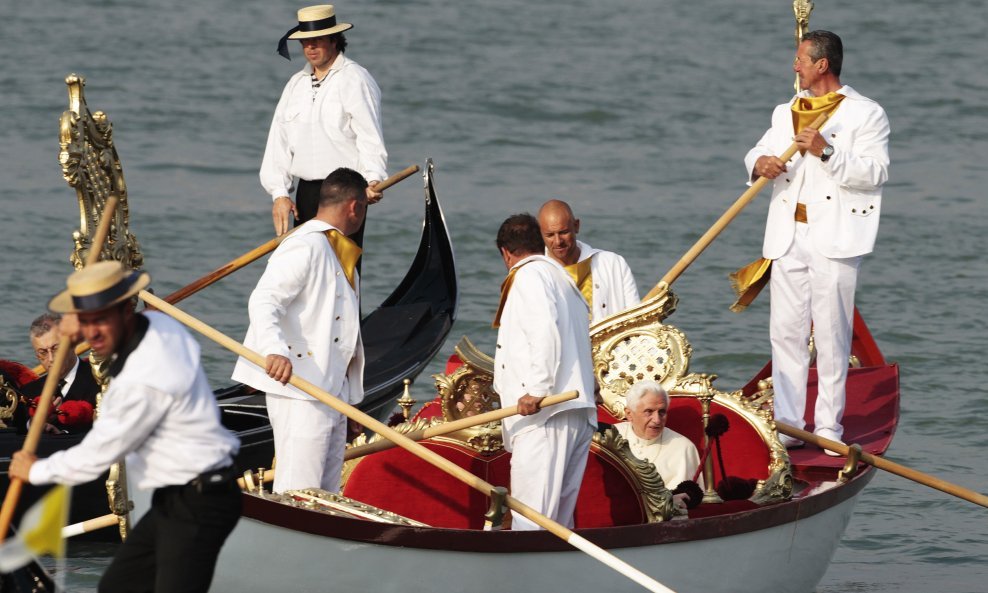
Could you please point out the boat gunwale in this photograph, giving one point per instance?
(280, 515)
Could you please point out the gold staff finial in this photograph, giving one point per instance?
(801, 9)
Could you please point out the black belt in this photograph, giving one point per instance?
(216, 479)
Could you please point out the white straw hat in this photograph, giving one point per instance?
(313, 21)
(98, 286)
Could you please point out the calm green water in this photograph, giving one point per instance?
(637, 112)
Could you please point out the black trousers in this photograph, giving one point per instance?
(174, 547)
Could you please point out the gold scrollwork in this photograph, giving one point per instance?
(9, 397)
(656, 497)
(91, 166)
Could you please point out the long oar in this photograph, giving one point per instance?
(690, 256)
(415, 449)
(435, 431)
(889, 466)
(245, 259)
(51, 383)
(90, 525)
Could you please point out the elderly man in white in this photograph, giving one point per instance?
(543, 347)
(822, 219)
(305, 319)
(674, 456)
(603, 277)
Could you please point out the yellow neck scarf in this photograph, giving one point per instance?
(347, 252)
(505, 289)
(807, 109)
(580, 273)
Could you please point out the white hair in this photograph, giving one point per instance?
(637, 391)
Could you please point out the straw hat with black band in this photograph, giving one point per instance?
(313, 21)
(98, 286)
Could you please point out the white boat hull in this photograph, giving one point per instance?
(785, 558)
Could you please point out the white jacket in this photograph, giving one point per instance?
(843, 196)
(614, 288)
(303, 308)
(543, 344)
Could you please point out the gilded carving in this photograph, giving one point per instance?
(330, 503)
(656, 497)
(9, 398)
(91, 166)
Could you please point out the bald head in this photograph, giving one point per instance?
(559, 230)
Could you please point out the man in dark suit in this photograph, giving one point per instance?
(75, 400)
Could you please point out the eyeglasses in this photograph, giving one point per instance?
(44, 353)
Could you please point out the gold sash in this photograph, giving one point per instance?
(347, 252)
(505, 289)
(580, 273)
(806, 109)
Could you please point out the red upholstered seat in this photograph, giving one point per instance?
(402, 483)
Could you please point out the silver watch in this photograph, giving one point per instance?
(828, 151)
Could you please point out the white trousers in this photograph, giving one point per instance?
(309, 439)
(808, 287)
(547, 465)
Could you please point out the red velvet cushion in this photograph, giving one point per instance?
(745, 453)
(607, 496)
(402, 483)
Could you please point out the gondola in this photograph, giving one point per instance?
(401, 336)
(400, 525)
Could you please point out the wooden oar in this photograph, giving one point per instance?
(889, 466)
(245, 259)
(416, 449)
(435, 431)
(90, 525)
(690, 256)
(51, 383)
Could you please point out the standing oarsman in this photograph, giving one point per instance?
(822, 219)
(305, 319)
(543, 347)
(329, 116)
(159, 413)
(603, 277)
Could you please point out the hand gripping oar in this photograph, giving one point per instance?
(725, 219)
(245, 259)
(415, 449)
(51, 383)
(435, 431)
(885, 464)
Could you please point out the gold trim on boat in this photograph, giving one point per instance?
(9, 397)
(331, 503)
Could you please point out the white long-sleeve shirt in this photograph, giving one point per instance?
(158, 412)
(314, 131)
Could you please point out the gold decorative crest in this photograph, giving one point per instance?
(91, 166)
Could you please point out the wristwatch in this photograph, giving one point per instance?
(828, 152)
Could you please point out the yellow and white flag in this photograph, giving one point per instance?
(40, 533)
